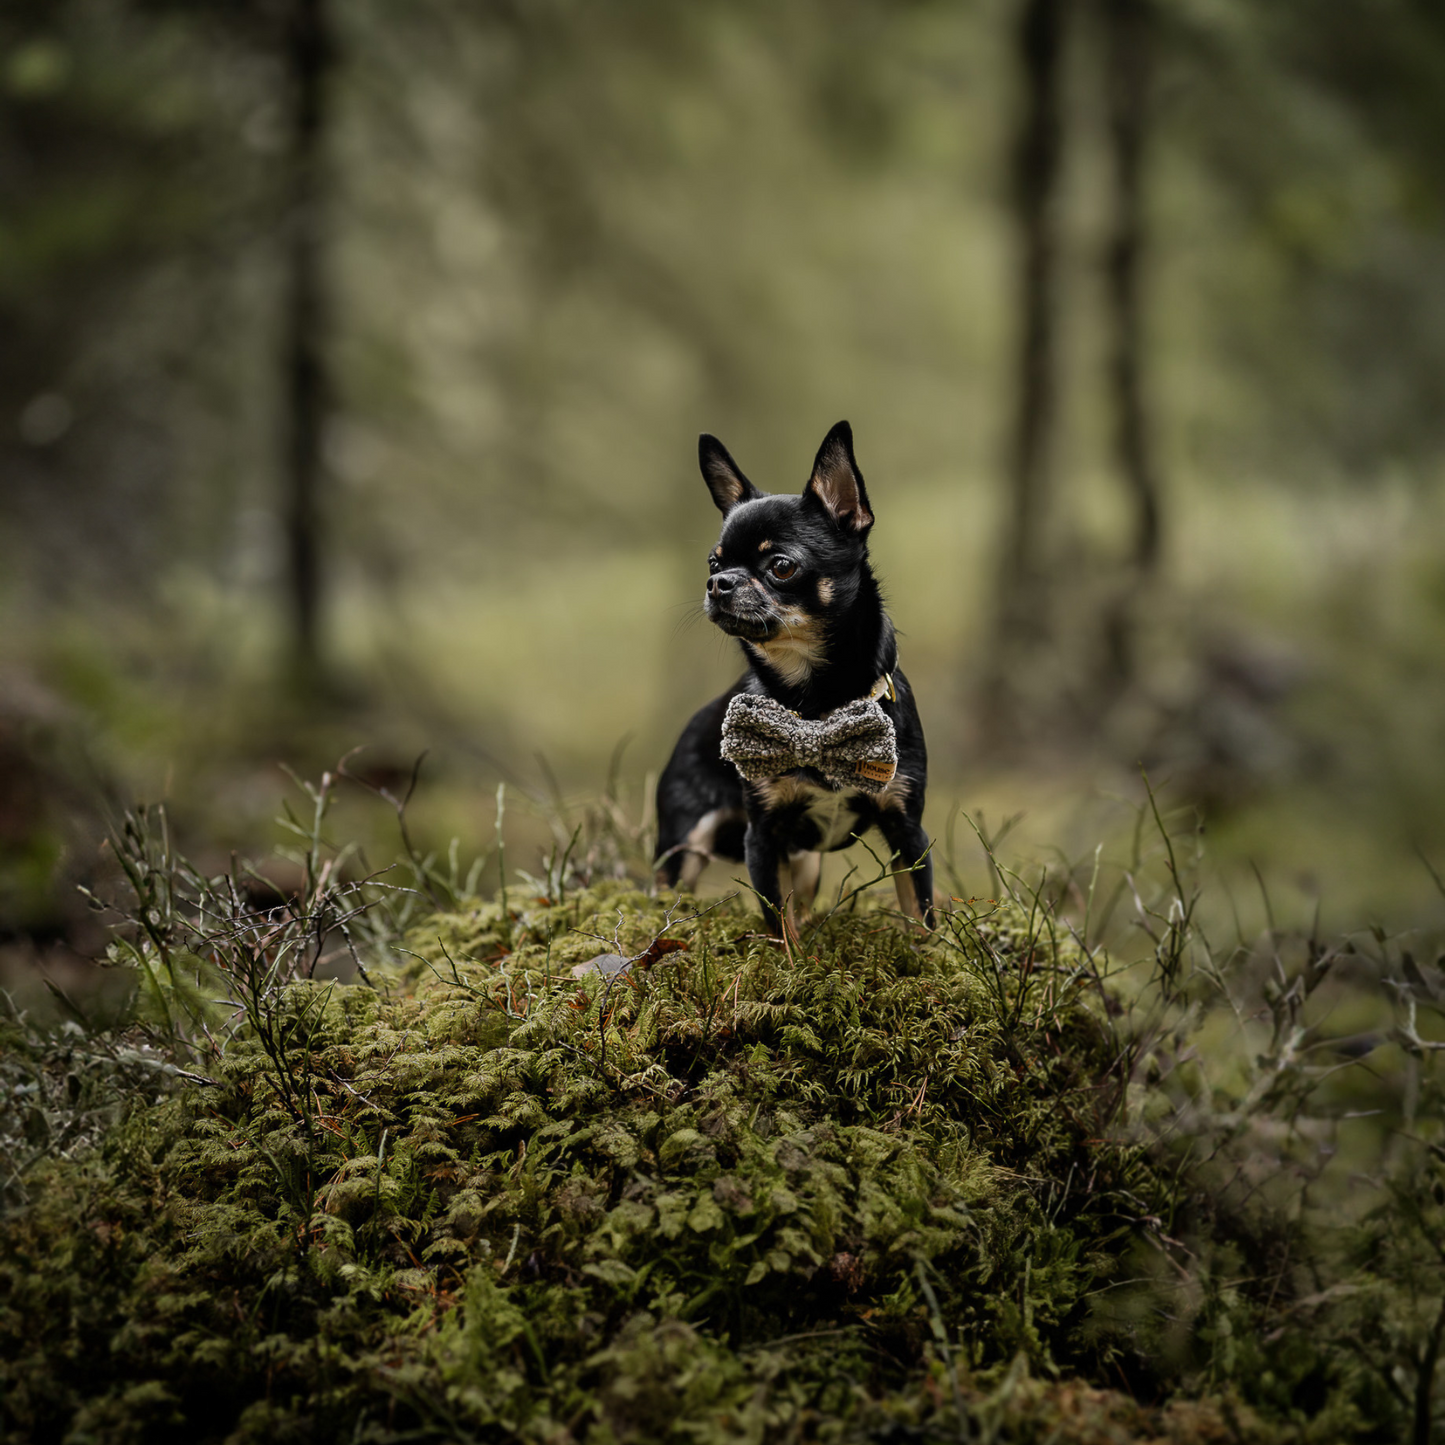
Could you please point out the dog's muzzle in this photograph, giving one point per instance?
(734, 604)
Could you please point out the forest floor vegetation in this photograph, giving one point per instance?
(581, 1162)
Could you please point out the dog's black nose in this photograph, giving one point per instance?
(720, 584)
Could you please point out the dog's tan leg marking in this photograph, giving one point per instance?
(697, 848)
(785, 892)
(806, 869)
(907, 895)
(798, 884)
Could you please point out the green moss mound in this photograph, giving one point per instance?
(870, 1187)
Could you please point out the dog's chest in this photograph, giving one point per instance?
(819, 817)
(836, 816)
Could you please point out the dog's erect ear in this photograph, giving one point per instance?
(838, 484)
(724, 478)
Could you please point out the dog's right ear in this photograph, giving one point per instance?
(724, 478)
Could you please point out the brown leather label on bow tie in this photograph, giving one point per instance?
(876, 771)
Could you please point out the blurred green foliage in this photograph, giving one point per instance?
(565, 238)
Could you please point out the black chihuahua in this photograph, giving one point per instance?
(820, 739)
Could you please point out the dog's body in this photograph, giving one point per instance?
(790, 580)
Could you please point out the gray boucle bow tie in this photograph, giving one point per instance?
(854, 746)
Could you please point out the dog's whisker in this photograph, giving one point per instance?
(689, 619)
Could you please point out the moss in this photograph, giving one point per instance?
(852, 1189)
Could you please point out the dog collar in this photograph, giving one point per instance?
(884, 684)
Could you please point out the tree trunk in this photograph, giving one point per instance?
(1022, 617)
(308, 56)
(1127, 54)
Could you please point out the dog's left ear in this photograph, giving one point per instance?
(838, 484)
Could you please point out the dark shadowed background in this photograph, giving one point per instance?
(353, 355)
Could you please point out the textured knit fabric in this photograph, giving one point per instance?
(854, 746)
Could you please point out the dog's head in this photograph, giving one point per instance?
(785, 566)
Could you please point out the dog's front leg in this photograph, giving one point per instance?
(906, 838)
(760, 847)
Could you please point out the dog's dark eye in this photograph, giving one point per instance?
(712, 563)
(783, 568)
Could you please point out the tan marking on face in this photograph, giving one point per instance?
(763, 546)
(717, 551)
(825, 590)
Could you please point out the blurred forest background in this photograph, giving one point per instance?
(354, 356)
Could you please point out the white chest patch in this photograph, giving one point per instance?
(833, 816)
(795, 650)
(792, 658)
